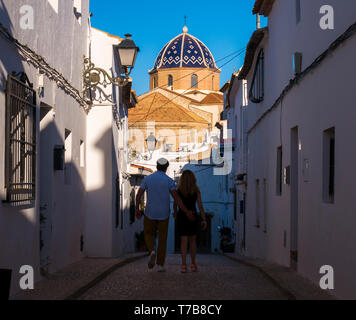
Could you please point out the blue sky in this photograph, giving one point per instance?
(224, 26)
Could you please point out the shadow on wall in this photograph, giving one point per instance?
(26, 233)
(105, 203)
(103, 199)
(62, 194)
(12, 224)
(10, 59)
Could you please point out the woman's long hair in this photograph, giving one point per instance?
(187, 183)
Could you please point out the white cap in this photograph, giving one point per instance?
(185, 29)
(162, 161)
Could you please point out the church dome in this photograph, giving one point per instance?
(184, 51)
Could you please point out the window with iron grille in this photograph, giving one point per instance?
(257, 90)
(20, 150)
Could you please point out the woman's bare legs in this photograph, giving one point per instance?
(183, 249)
(193, 248)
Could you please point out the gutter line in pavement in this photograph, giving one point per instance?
(79, 292)
(290, 296)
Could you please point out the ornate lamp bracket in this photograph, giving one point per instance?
(94, 76)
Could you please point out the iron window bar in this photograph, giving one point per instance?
(20, 148)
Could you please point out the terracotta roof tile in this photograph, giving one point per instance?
(213, 98)
(156, 107)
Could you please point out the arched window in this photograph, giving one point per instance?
(257, 90)
(155, 82)
(170, 82)
(194, 82)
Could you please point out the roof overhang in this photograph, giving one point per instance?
(139, 170)
(252, 46)
(225, 86)
(263, 7)
(108, 34)
(231, 83)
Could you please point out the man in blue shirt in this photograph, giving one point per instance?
(159, 187)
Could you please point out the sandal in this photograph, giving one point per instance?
(194, 267)
(183, 268)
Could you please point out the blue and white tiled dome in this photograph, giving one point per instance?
(184, 51)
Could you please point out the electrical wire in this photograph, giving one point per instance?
(39, 62)
(170, 100)
(195, 72)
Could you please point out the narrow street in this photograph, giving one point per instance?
(133, 129)
(219, 278)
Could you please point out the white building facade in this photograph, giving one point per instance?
(43, 120)
(300, 172)
(64, 184)
(235, 114)
(110, 229)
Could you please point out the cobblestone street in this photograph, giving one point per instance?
(218, 278)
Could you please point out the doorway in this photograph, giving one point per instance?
(294, 198)
(46, 172)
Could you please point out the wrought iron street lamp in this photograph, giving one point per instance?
(151, 143)
(127, 53)
(94, 76)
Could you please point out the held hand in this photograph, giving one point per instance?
(190, 215)
(138, 214)
(204, 224)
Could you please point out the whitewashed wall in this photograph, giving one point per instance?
(237, 122)
(323, 99)
(106, 157)
(58, 36)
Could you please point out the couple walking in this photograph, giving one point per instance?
(159, 187)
